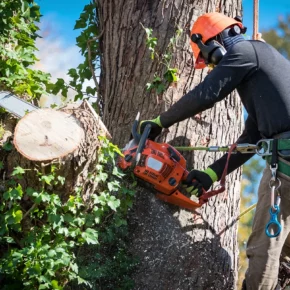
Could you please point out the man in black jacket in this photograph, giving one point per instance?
(261, 76)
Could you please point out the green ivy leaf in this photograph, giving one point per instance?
(18, 216)
(17, 171)
(113, 203)
(56, 220)
(14, 193)
(113, 185)
(90, 236)
(61, 180)
(160, 89)
(55, 285)
(81, 23)
(47, 178)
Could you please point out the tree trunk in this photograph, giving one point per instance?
(177, 250)
(66, 139)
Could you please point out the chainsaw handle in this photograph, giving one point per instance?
(142, 142)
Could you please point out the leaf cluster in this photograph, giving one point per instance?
(18, 32)
(44, 237)
(170, 75)
(88, 43)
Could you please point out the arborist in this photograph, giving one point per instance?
(261, 75)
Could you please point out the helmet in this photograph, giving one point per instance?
(208, 26)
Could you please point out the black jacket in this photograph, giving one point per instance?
(261, 76)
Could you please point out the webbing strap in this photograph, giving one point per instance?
(283, 144)
(274, 159)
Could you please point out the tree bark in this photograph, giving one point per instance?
(47, 129)
(177, 250)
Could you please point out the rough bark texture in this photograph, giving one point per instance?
(177, 250)
(74, 167)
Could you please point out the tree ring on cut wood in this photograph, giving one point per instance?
(47, 134)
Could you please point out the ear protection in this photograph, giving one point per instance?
(213, 51)
(240, 19)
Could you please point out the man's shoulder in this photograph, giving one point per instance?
(242, 47)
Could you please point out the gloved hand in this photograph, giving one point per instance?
(156, 127)
(197, 180)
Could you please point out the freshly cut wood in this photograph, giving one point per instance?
(66, 139)
(47, 134)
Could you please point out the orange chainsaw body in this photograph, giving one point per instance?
(162, 166)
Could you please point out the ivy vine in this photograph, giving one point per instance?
(161, 82)
(44, 244)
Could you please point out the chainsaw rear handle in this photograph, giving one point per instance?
(142, 142)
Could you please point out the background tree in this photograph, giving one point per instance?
(279, 36)
(176, 249)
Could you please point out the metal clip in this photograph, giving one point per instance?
(246, 148)
(264, 144)
(273, 197)
(213, 148)
(275, 207)
(274, 172)
(272, 183)
(278, 200)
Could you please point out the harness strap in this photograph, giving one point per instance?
(283, 144)
(277, 145)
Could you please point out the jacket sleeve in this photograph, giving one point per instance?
(250, 135)
(239, 62)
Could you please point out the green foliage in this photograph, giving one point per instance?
(18, 27)
(7, 146)
(170, 76)
(44, 236)
(151, 42)
(18, 32)
(88, 43)
(279, 36)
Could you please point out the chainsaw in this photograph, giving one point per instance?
(161, 166)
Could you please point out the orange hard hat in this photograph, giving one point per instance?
(209, 25)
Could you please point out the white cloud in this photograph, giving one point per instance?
(56, 56)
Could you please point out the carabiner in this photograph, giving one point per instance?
(273, 221)
(266, 148)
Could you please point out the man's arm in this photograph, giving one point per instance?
(238, 63)
(250, 135)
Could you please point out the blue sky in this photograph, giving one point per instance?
(269, 11)
(62, 15)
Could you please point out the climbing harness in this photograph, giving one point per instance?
(270, 150)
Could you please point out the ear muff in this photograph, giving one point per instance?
(233, 31)
(240, 19)
(212, 52)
